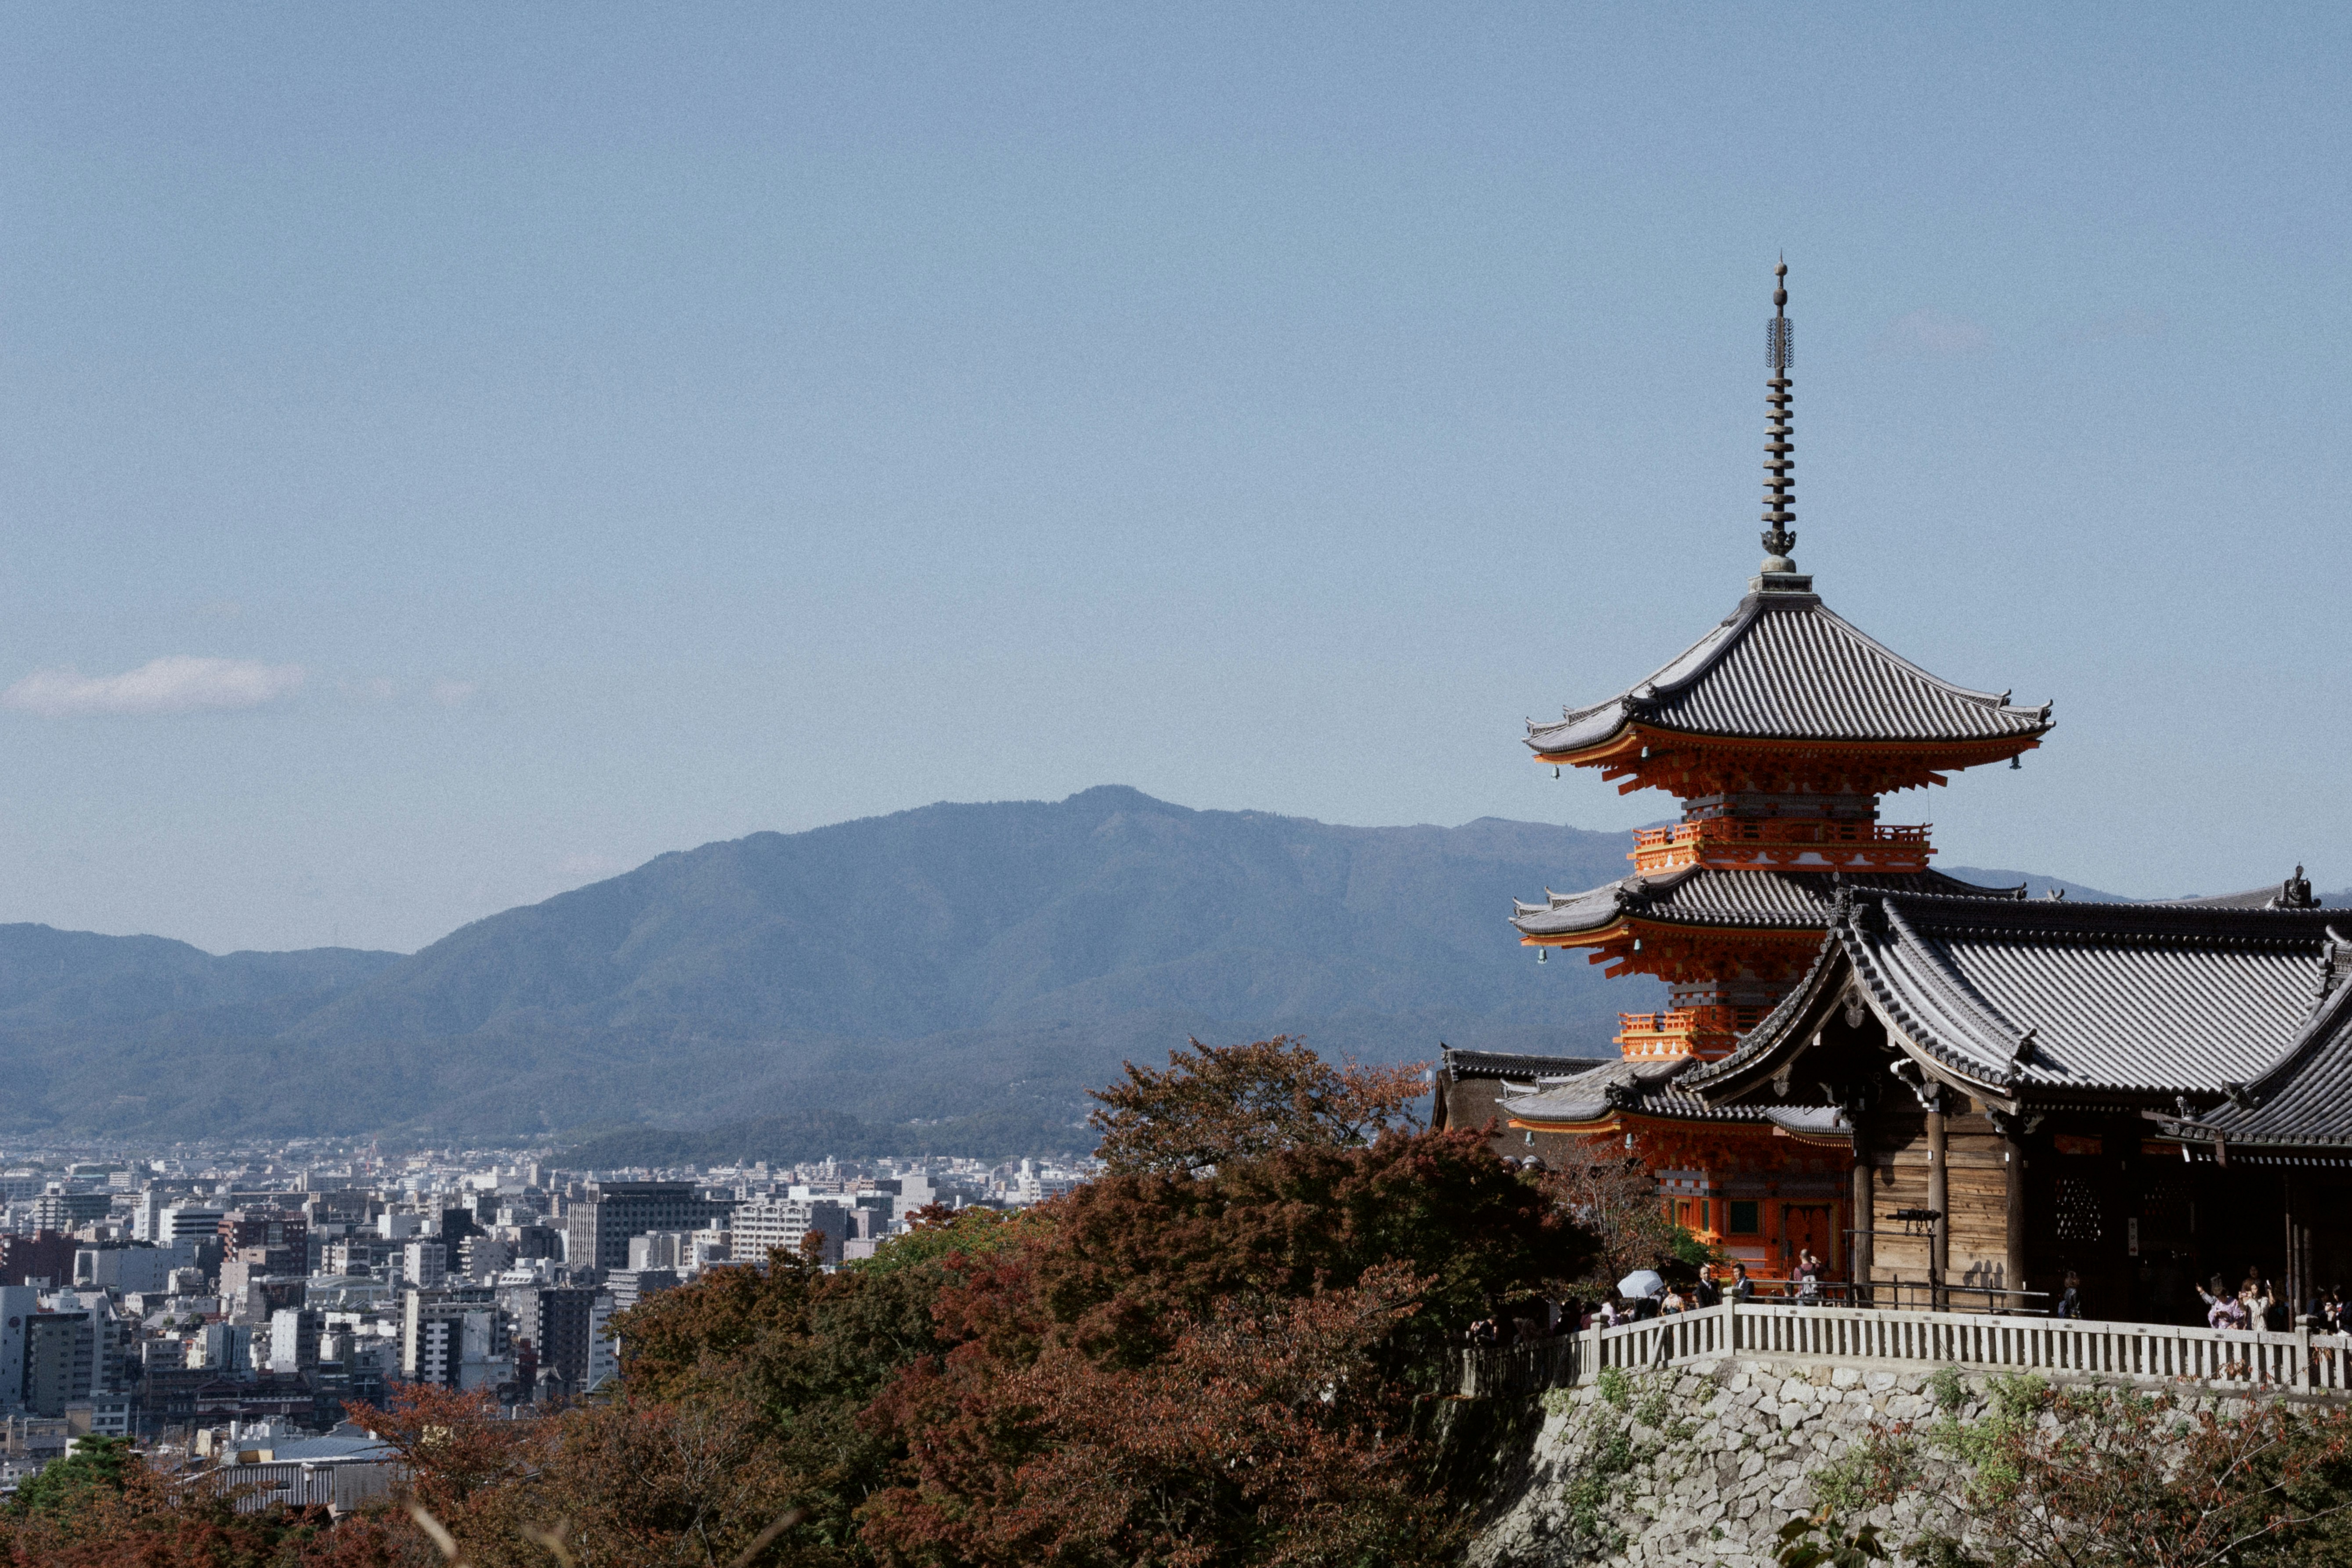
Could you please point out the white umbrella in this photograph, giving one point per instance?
(1641, 1284)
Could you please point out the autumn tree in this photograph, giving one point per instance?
(1211, 1367)
(131, 1517)
(1217, 1104)
(2104, 1477)
(1612, 1200)
(1129, 1250)
(1260, 1437)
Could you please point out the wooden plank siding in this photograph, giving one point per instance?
(1976, 1196)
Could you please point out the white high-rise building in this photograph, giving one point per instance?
(425, 1264)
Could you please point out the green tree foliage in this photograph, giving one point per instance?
(1816, 1542)
(96, 1464)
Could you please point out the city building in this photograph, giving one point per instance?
(70, 1211)
(294, 1338)
(277, 1229)
(424, 1265)
(61, 1362)
(627, 1286)
(189, 1222)
(766, 1226)
(455, 1338)
(18, 1305)
(557, 1321)
(44, 1259)
(598, 1225)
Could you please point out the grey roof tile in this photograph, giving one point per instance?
(1460, 1064)
(2170, 998)
(1641, 1088)
(1784, 666)
(1704, 896)
(2305, 1096)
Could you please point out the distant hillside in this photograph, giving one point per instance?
(957, 971)
(72, 979)
(948, 961)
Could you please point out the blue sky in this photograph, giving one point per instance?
(534, 439)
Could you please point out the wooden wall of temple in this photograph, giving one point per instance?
(2140, 1226)
(1976, 1198)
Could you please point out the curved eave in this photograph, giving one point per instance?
(1623, 746)
(1616, 931)
(1785, 1031)
(1610, 1123)
(1634, 1120)
(1626, 928)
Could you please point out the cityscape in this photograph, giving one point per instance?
(216, 1301)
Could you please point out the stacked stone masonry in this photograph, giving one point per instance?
(1717, 1457)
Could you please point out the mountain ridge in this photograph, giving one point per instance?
(944, 962)
(968, 964)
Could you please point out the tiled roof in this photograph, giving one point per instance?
(1783, 667)
(1704, 896)
(1637, 1088)
(1459, 1065)
(2305, 1098)
(2056, 996)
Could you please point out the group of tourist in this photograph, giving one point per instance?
(1804, 1287)
(2257, 1304)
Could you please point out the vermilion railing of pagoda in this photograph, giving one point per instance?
(2299, 1359)
(1702, 1032)
(1751, 843)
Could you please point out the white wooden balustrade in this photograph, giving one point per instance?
(2296, 1359)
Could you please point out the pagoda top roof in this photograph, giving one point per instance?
(2011, 999)
(1784, 666)
(1706, 896)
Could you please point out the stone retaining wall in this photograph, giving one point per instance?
(1703, 1464)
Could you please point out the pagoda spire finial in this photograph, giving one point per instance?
(1779, 445)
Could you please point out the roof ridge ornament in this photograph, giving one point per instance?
(1779, 574)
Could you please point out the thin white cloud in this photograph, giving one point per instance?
(1932, 334)
(453, 693)
(180, 683)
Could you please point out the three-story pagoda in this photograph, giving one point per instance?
(1779, 730)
